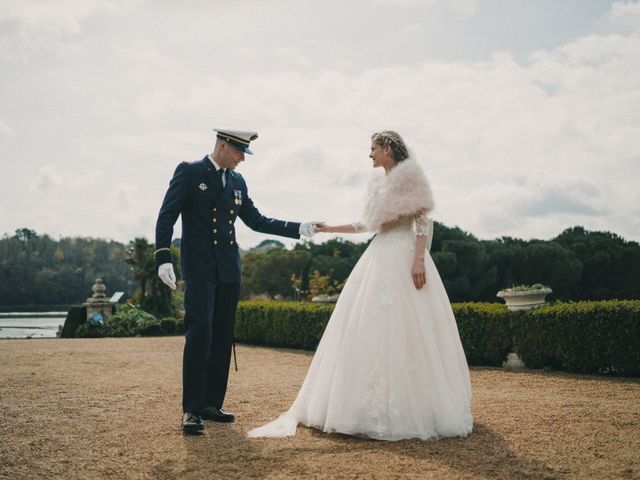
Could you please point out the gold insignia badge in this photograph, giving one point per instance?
(202, 187)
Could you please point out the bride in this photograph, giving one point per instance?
(390, 364)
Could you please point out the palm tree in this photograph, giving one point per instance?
(155, 297)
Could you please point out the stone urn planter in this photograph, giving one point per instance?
(325, 298)
(524, 296)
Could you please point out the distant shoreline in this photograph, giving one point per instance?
(34, 308)
(30, 325)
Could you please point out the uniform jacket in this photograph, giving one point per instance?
(209, 211)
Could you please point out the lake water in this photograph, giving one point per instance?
(31, 325)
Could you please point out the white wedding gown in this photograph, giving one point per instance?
(390, 364)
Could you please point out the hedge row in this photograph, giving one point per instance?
(282, 324)
(485, 332)
(484, 327)
(584, 337)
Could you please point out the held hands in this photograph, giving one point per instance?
(166, 274)
(322, 227)
(309, 229)
(418, 273)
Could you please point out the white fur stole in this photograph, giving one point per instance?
(402, 193)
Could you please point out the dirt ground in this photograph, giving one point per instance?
(110, 408)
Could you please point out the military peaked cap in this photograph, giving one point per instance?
(237, 138)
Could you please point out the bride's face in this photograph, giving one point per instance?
(381, 156)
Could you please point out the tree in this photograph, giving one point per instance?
(611, 265)
(25, 235)
(578, 265)
(38, 270)
(155, 296)
(270, 273)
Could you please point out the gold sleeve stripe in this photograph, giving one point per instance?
(161, 249)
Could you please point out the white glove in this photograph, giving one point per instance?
(308, 229)
(166, 274)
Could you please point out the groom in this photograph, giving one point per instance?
(210, 196)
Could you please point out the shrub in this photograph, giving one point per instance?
(281, 324)
(179, 326)
(129, 321)
(91, 329)
(485, 332)
(151, 328)
(168, 326)
(584, 337)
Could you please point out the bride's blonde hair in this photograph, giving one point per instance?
(395, 141)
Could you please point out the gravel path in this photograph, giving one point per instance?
(110, 408)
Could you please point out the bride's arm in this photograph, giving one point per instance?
(347, 228)
(417, 270)
(424, 232)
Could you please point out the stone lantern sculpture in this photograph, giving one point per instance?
(99, 307)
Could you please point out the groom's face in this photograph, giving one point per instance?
(231, 156)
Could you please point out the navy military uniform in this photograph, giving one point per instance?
(210, 262)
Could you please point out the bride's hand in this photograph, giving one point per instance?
(418, 274)
(322, 227)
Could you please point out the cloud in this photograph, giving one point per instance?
(6, 130)
(30, 27)
(47, 179)
(521, 146)
(467, 7)
(481, 129)
(123, 197)
(624, 17)
(51, 178)
(550, 195)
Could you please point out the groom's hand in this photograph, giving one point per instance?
(166, 274)
(308, 229)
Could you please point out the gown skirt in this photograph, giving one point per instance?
(390, 364)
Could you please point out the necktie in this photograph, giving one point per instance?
(221, 172)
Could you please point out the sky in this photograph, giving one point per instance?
(525, 114)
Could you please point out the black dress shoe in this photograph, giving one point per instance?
(191, 423)
(217, 415)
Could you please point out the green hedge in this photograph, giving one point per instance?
(282, 324)
(484, 327)
(583, 337)
(485, 332)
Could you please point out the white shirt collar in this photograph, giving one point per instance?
(217, 167)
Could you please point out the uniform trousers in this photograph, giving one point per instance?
(210, 309)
